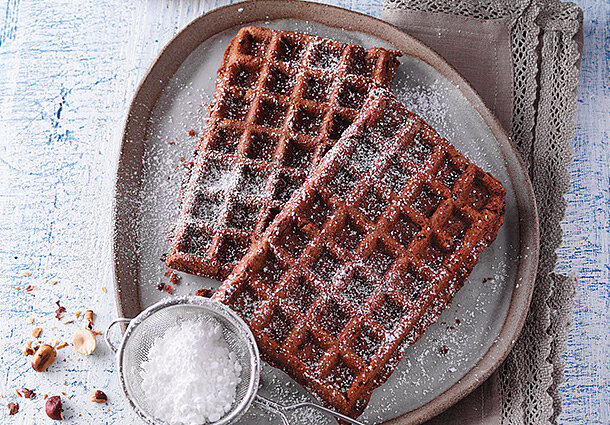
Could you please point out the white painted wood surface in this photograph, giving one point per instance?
(68, 70)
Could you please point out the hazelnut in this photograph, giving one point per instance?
(53, 408)
(13, 408)
(98, 396)
(84, 341)
(43, 358)
(27, 393)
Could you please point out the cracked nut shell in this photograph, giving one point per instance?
(98, 396)
(84, 341)
(43, 358)
(53, 408)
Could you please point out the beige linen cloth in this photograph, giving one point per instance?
(522, 57)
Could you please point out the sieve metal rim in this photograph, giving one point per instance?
(208, 304)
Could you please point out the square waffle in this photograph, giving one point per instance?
(366, 254)
(282, 100)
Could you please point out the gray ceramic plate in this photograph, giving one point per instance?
(470, 339)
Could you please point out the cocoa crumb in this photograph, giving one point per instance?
(167, 273)
(169, 289)
(29, 288)
(444, 350)
(188, 165)
(174, 279)
(13, 408)
(163, 257)
(487, 279)
(458, 321)
(27, 393)
(204, 292)
(171, 142)
(192, 133)
(59, 313)
(161, 286)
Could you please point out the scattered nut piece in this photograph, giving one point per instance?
(27, 393)
(36, 332)
(13, 408)
(59, 313)
(77, 314)
(89, 315)
(28, 350)
(98, 396)
(89, 318)
(84, 341)
(61, 345)
(29, 288)
(54, 282)
(30, 320)
(104, 289)
(18, 393)
(43, 358)
(53, 408)
(67, 322)
(27, 274)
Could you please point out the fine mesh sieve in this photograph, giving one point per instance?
(153, 322)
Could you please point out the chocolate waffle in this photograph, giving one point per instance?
(282, 100)
(366, 254)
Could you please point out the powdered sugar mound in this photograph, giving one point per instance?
(191, 374)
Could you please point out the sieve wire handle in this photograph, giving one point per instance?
(280, 409)
(107, 333)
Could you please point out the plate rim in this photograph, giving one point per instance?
(164, 66)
